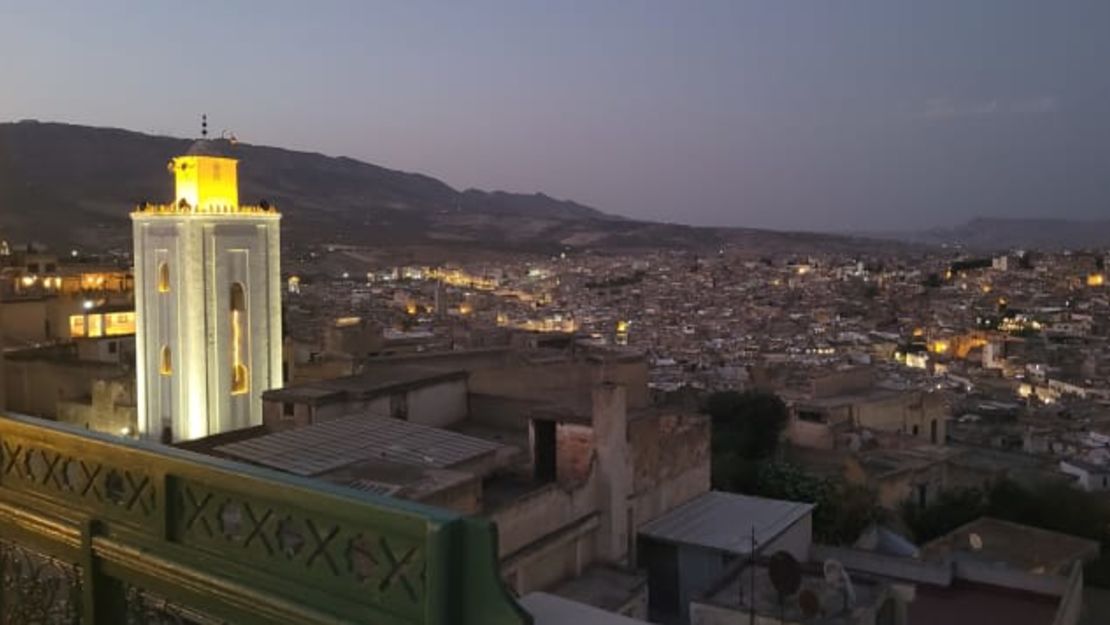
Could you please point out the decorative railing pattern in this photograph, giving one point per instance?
(150, 530)
(188, 209)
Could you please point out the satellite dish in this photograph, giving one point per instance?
(976, 541)
(855, 442)
(837, 577)
(809, 603)
(785, 573)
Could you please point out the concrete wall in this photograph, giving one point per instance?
(275, 419)
(564, 381)
(25, 321)
(796, 540)
(547, 536)
(706, 613)
(111, 409)
(895, 488)
(841, 382)
(35, 387)
(1085, 479)
(438, 405)
(1071, 604)
(464, 497)
(503, 412)
(541, 513)
(670, 462)
(574, 454)
(810, 434)
(909, 412)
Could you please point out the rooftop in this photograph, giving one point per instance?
(725, 521)
(363, 385)
(221, 148)
(327, 446)
(737, 594)
(549, 609)
(965, 603)
(1023, 547)
(604, 587)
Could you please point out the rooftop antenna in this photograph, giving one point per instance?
(204, 126)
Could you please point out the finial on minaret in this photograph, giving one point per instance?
(204, 126)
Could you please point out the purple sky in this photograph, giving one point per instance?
(852, 115)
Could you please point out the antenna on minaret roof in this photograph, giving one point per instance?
(204, 126)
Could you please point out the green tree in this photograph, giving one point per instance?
(745, 431)
(747, 428)
(842, 510)
(952, 509)
(749, 423)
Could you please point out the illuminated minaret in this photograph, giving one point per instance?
(208, 301)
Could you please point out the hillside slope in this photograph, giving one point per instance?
(65, 184)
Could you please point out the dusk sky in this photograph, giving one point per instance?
(848, 115)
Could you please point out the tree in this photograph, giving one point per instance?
(747, 428)
(952, 509)
(749, 423)
(745, 431)
(842, 510)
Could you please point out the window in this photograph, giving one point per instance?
(812, 416)
(288, 409)
(240, 371)
(113, 347)
(165, 366)
(916, 430)
(163, 277)
(544, 454)
(933, 431)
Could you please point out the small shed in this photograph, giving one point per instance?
(687, 549)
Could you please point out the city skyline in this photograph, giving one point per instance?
(863, 117)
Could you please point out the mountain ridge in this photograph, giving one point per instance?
(82, 182)
(1002, 233)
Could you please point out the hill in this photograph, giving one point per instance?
(65, 184)
(994, 234)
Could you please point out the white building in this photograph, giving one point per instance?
(1088, 476)
(208, 302)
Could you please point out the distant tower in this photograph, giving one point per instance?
(208, 301)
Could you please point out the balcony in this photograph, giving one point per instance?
(100, 530)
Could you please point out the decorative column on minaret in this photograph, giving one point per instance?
(208, 302)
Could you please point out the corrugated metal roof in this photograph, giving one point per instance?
(329, 445)
(547, 609)
(373, 487)
(724, 521)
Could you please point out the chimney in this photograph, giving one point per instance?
(614, 469)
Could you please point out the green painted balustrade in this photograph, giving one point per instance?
(100, 530)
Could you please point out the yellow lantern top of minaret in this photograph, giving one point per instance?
(206, 182)
(206, 178)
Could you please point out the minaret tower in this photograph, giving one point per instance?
(208, 301)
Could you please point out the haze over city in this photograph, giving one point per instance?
(576, 313)
(861, 116)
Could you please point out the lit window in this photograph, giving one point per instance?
(240, 372)
(77, 325)
(164, 278)
(165, 366)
